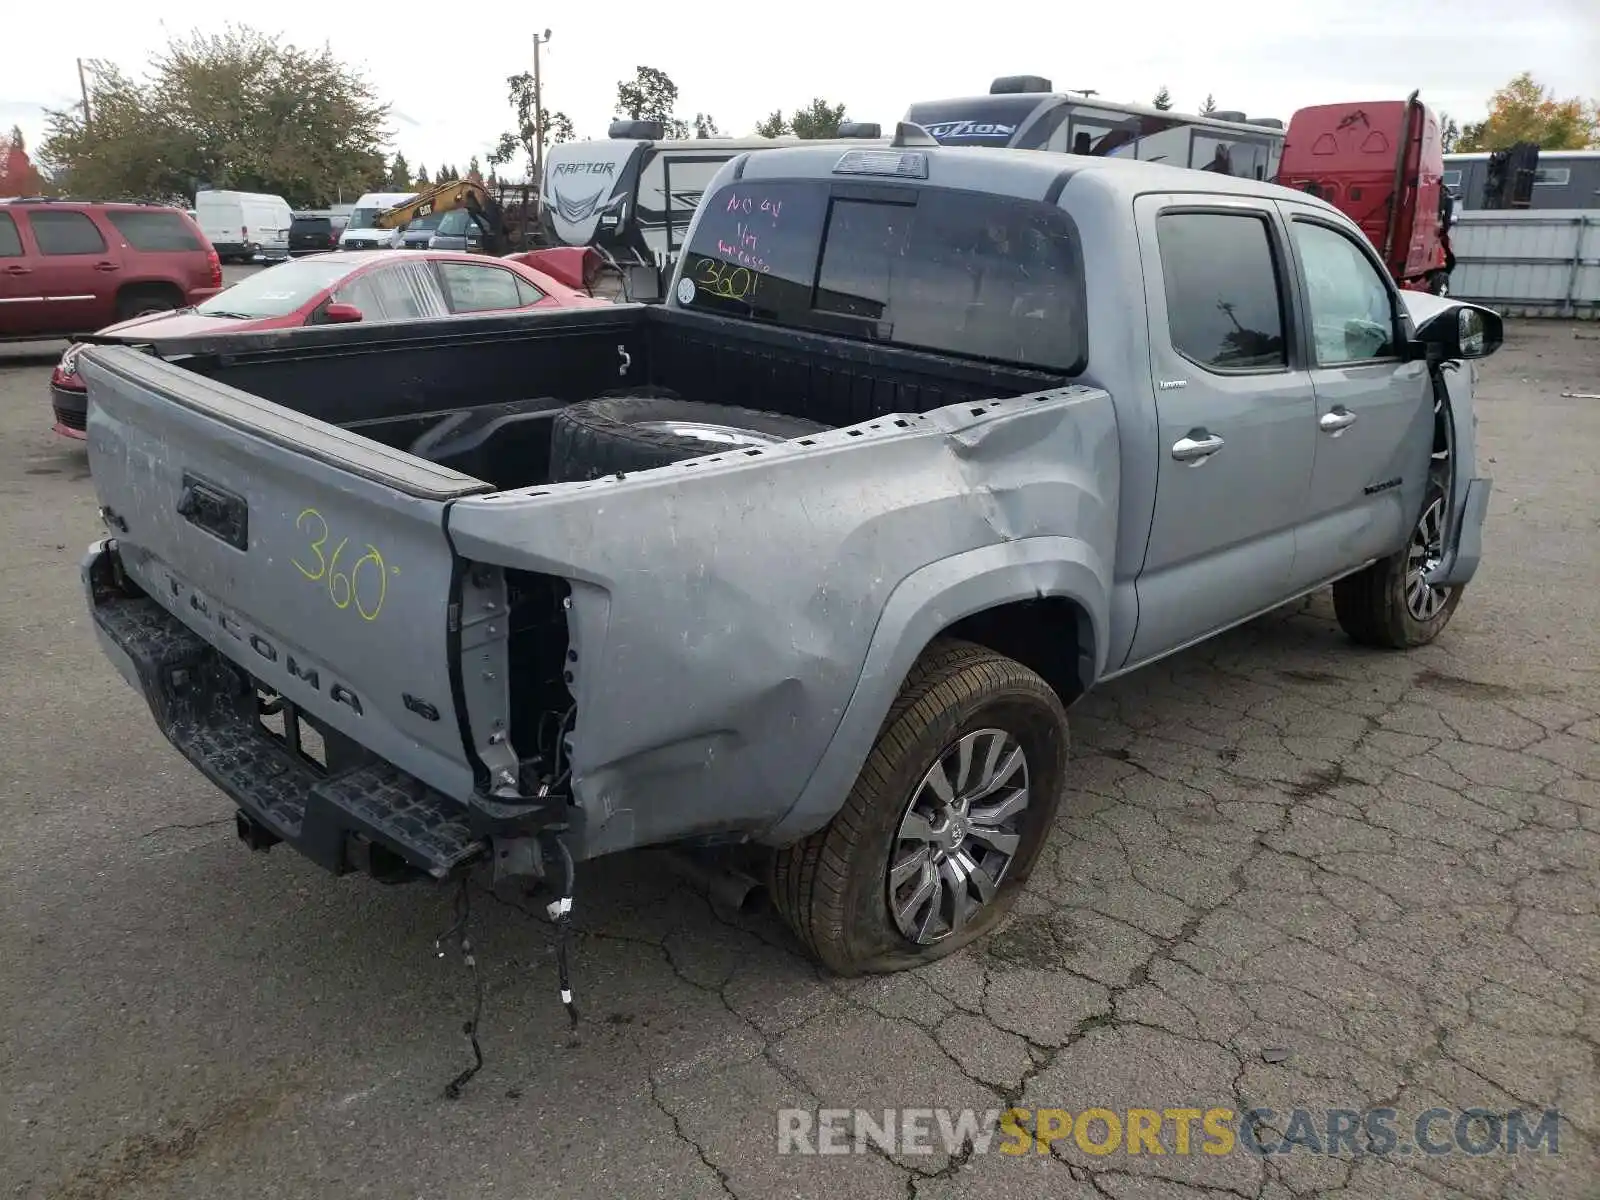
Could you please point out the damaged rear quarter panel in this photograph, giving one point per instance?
(725, 612)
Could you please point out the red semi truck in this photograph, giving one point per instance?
(1382, 164)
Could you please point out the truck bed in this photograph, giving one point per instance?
(347, 527)
(477, 394)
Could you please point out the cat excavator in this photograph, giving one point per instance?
(481, 206)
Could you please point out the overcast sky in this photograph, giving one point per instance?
(738, 61)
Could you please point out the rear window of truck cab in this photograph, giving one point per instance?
(959, 272)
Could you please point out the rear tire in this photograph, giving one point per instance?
(849, 890)
(650, 428)
(141, 301)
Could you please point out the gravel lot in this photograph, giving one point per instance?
(1290, 873)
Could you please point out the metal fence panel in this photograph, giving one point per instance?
(1529, 262)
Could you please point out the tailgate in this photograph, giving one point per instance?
(311, 556)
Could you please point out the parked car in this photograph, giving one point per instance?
(245, 225)
(68, 266)
(361, 234)
(457, 231)
(924, 444)
(313, 234)
(418, 234)
(328, 289)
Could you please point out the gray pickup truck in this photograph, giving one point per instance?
(925, 443)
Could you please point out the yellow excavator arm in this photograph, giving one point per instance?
(442, 197)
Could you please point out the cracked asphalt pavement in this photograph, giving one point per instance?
(1289, 873)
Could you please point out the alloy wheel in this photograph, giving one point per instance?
(958, 835)
(1424, 601)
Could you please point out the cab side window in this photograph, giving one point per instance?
(1224, 294)
(1352, 308)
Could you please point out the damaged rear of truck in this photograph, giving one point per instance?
(364, 611)
(814, 555)
(632, 660)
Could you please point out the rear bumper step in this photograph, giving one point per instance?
(360, 818)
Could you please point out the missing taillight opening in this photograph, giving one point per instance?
(543, 713)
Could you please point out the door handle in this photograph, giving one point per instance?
(14, 270)
(1337, 421)
(107, 266)
(1195, 450)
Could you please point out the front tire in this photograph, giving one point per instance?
(1387, 605)
(944, 823)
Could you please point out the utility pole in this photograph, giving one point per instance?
(83, 86)
(538, 113)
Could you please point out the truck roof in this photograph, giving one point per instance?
(1026, 174)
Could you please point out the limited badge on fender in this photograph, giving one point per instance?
(685, 291)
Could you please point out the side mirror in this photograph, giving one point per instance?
(341, 314)
(1460, 331)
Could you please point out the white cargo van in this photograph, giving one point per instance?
(243, 225)
(361, 234)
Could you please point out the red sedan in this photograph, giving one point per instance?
(333, 289)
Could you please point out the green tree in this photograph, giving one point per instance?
(1449, 133)
(819, 119)
(772, 125)
(1526, 111)
(557, 128)
(237, 109)
(400, 172)
(474, 171)
(422, 177)
(651, 96)
(1163, 99)
(1209, 107)
(557, 125)
(705, 126)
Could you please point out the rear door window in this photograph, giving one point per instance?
(66, 233)
(1224, 297)
(403, 291)
(10, 239)
(961, 272)
(154, 231)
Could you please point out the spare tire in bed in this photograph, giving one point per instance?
(636, 433)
